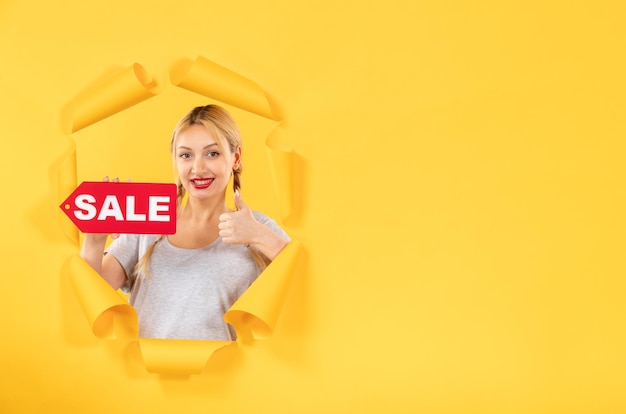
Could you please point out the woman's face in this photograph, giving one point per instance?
(204, 167)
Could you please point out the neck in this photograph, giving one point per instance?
(204, 210)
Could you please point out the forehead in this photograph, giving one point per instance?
(198, 135)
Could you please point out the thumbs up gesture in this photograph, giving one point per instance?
(239, 227)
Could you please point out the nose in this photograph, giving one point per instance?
(198, 166)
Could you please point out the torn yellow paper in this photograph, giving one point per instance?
(281, 168)
(255, 313)
(121, 91)
(108, 313)
(178, 357)
(67, 181)
(281, 158)
(214, 81)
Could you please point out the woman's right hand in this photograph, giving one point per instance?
(102, 237)
(92, 252)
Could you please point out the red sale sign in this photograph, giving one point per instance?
(136, 208)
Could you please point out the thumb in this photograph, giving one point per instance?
(239, 203)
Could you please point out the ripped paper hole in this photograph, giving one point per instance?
(255, 314)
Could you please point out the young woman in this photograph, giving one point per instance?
(182, 284)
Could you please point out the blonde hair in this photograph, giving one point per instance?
(219, 123)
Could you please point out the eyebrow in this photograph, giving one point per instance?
(207, 146)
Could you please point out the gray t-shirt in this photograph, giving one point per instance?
(189, 290)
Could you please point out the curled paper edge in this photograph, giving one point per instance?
(108, 313)
(255, 313)
(209, 79)
(281, 169)
(126, 88)
(177, 356)
(67, 181)
(281, 157)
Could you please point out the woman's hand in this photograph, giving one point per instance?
(240, 227)
(92, 252)
(99, 238)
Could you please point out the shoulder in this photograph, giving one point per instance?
(127, 241)
(262, 217)
(269, 222)
(137, 238)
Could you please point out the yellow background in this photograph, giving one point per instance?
(460, 200)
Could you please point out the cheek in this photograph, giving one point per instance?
(181, 168)
(224, 167)
(230, 163)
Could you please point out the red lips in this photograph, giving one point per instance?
(201, 183)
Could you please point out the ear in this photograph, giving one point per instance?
(237, 158)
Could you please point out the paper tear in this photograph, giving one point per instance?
(281, 169)
(215, 81)
(178, 357)
(108, 313)
(255, 313)
(67, 181)
(121, 91)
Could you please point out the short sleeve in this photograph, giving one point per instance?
(126, 250)
(270, 223)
